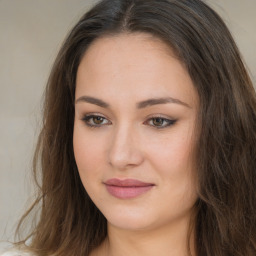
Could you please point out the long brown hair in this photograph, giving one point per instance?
(225, 222)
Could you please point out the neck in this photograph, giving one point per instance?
(168, 240)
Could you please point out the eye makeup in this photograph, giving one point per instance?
(157, 121)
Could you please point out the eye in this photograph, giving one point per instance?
(95, 120)
(160, 122)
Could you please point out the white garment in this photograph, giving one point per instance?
(15, 253)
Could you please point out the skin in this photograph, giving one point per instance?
(129, 142)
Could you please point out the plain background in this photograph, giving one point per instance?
(31, 32)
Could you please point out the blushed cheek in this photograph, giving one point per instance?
(173, 154)
(89, 158)
(79, 149)
(80, 152)
(85, 165)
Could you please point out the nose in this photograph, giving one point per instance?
(125, 149)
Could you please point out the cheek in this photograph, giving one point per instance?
(178, 171)
(88, 155)
(173, 159)
(172, 152)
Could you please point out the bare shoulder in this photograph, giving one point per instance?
(16, 253)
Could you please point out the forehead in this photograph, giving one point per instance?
(132, 46)
(131, 39)
(136, 65)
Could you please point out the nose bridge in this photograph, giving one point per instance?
(124, 150)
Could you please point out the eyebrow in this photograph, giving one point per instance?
(92, 100)
(139, 105)
(156, 101)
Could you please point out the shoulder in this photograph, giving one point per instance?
(16, 253)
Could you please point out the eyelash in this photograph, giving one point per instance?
(87, 119)
(168, 122)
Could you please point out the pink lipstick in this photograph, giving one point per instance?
(128, 188)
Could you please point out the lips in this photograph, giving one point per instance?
(128, 188)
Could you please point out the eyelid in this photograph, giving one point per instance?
(159, 116)
(88, 116)
(170, 121)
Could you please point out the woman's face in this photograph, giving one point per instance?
(134, 141)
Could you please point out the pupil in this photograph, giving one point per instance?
(97, 120)
(158, 121)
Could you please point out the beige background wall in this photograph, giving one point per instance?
(31, 32)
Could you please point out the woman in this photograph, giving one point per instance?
(148, 139)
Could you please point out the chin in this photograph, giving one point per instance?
(131, 220)
(130, 224)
